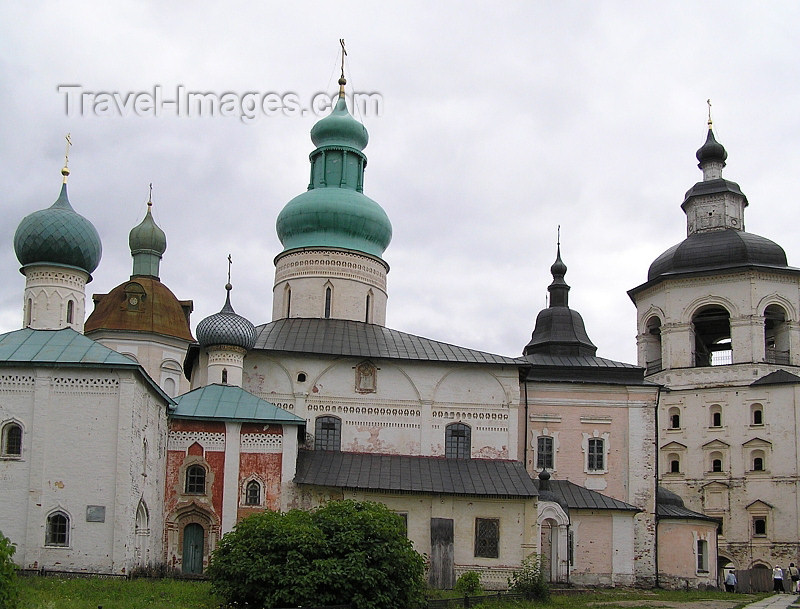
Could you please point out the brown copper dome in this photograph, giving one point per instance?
(142, 304)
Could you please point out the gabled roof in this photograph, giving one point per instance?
(231, 404)
(579, 498)
(404, 473)
(779, 377)
(65, 347)
(679, 512)
(358, 339)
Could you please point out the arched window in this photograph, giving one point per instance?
(544, 452)
(301, 377)
(70, 311)
(29, 313)
(716, 461)
(196, 480)
(12, 440)
(758, 464)
(328, 297)
(57, 530)
(716, 416)
(142, 519)
(757, 414)
(596, 454)
(224, 376)
(674, 418)
(458, 441)
(328, 433)
(776, 335)
(288, 302)
(252, 494)
(674, 461)
(653, 346)
(368, 308)
(712, 337)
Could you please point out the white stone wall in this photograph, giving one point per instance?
(406, 414)
(86, 434)
(351, 276)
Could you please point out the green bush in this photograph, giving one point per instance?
(9, 588)
(344, 552)
(469, 583)
(530, 579)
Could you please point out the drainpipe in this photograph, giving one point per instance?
(655, 516)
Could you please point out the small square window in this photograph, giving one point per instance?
(760, 526)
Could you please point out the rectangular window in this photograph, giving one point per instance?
(702, 555)
(760, 526)
(595, 456)
(544, 452)
(487, 537)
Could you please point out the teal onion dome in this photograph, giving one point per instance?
(226, 328)
(334, 217)
(339, 128)
(58, 235)
(147, 236)
(334, 212)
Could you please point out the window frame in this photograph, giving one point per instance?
(487, 538)
(328, 438)
(545, 452)
(57, 537)
(595, 454)
(458, 441)
(192, 481)
(702, 556)
(7, 429)
(252, 499)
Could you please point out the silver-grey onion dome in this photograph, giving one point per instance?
(226, 328)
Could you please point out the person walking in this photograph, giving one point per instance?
(777, 579)
(794, 576)
(730, 582)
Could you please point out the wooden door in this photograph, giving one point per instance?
(442, 574)
(193, 538)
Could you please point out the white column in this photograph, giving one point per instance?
(230, 490)
(288, 463)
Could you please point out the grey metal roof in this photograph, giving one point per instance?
(681, 513)
(358, 339)
(582, 369)
(64, 347)
(779, 377)
(404, 473)
(579, 498)
(230, 404)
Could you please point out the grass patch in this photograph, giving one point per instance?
(83, 593)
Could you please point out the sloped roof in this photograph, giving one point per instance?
(404, 473)
(779, 377)
(681, 513)
(579, 498)
(582, 369)
(359, 339)
(65, 347)
(231, 404)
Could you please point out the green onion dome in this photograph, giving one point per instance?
(58, 235)
(334, 212)
(147, 236)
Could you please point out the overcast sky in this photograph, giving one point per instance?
(500, 121)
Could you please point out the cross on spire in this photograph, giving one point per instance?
(708, 101)
(65, 169)
(230, 262)
(342, 79)
(150, 198)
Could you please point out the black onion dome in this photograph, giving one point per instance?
(717, 250)
(667, 497)
(546, 494)
(559, 330)
(226, 328)
(712, 150)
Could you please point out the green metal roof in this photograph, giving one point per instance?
(230, 404)
(65, 347)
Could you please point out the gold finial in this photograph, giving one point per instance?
(228, 285)
(708, 101)
(342, 79)
(65, 169)
(150, 198)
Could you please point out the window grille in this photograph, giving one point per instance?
(458, 441)
(196, 480)
(544, 452)
(595, 456)
(328, 433)
(487, 537)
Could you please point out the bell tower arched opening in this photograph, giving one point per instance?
(653, 361)
(712, 337)
(776, 335)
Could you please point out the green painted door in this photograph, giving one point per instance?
(193, 536)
